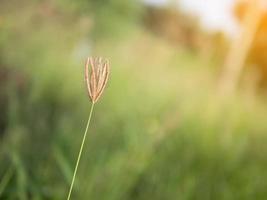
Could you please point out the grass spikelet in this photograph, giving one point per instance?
(96, 77)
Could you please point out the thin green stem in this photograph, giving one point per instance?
(80, 152)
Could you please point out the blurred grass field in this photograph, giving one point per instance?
(160, 131)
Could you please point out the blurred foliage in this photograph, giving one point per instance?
(184, 31)
(108, 16)
(159, 132)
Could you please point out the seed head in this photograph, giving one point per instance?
(96, 76)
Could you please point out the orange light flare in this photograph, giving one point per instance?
(250, 13)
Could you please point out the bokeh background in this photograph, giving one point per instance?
(184, 115)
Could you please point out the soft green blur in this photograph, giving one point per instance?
(160, 131)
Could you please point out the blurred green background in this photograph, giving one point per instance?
(163, 129)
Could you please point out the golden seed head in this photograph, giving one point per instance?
(96, 76)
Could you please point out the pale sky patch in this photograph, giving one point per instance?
(213, 14)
